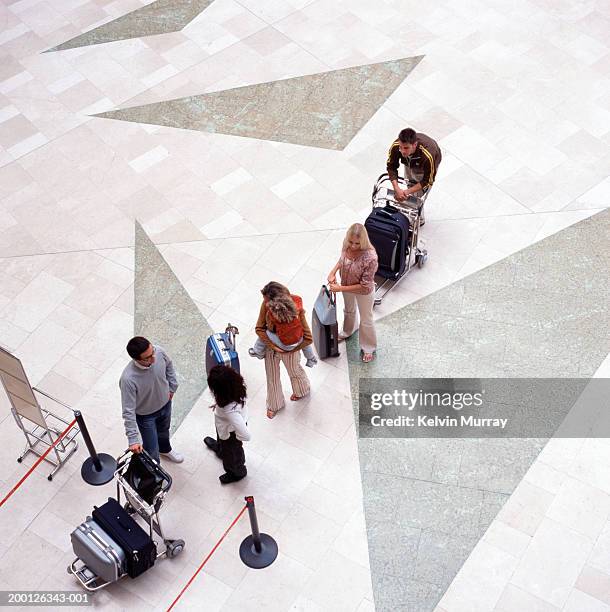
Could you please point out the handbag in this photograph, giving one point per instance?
(325, 306)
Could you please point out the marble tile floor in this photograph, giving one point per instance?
(71, 187)
(319, 110)
(560, 512)
(158, 17)
(429, 501)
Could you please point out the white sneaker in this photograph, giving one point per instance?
(173, 456)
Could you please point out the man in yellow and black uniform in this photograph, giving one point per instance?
(421, 157)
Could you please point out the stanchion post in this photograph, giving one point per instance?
(256, 536)
(98, 468)
(259, 549)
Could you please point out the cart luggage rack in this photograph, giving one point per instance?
(384, 195)
(136, 505)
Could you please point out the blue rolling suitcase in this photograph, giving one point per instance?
(221, 349)
(388, 230)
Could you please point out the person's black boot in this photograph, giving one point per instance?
(211, 444)
(229, 478)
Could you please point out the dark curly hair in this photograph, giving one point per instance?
(274, 289)
(226, 385)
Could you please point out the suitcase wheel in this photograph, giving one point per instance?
(174, 548)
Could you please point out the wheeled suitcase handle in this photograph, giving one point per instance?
(232, 331)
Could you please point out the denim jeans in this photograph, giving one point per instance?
(154, 429)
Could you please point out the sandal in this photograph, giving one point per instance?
(296, 398)
(367, 357)
(271, 414)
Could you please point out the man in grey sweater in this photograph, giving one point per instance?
(147, 385)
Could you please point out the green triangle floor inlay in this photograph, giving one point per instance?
(160, 17)
(320, 110)
(165, 313)
(542, 312)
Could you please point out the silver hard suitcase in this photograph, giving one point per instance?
(98, 551)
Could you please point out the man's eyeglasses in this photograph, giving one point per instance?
(148, 357)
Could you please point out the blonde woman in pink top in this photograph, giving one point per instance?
(357, 266)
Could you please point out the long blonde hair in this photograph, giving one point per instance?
(357, 230)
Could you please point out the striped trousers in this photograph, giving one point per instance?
(298, 378)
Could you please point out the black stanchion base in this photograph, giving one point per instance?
(258, 560)
(94, 477)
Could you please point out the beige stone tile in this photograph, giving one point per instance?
(593, 582)
(581, 601)
(36, 301)
(368, 606)
(513, 598)
(123, 257)
(580, 507)
(71, 319)
(205, 587)
(335, 569)
(16, 130)
(307, 536)
(564, 553)
(506, 538)
(108, 336)
(83, 374)
(288, 576)
(526, 508)
(94, 296)
(44, 348)
(591, 463)
(352, 540)
(27, 564)
(73, 268)
(304, 604)
(481, 580)
(53, 529)
(59, 386)
(11, 336)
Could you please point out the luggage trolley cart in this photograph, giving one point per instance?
(144, 491)
(384, 197)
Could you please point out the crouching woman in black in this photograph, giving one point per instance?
(230, 417)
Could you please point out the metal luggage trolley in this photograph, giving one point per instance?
(135, 504)
(383, 195)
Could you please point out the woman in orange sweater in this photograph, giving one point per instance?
(274, 292)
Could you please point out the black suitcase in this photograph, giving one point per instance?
(388, 231)
(140, 550)
(324, 327)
